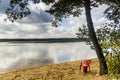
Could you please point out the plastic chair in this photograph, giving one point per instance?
(85, 65)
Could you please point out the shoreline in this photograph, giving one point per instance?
(3, 71)
(63, 71)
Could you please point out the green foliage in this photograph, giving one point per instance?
(62, 9)
(109, 39)
(65, 8)
(113, 58)
(113, 62)
(18, 9)
(110, 43)
(113, 10)
(84, 34)
(113, 13)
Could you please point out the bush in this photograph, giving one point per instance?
(113, 62)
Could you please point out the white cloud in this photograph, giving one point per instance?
(25, 55)
(97, 16)
(38, 24)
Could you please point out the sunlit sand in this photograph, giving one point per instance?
(62, 71)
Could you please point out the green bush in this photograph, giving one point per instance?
(113, 62)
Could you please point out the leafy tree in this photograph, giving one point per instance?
(64, 8)
(109, 39)
(113, 10)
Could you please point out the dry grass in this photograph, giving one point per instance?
(63, 71)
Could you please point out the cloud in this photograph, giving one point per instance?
(27, 55)
(97, 17)
(38, 14)
(21, 55)
(33, 25)
(38, 23)
(31, 62)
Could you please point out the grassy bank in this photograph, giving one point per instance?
(62, 71)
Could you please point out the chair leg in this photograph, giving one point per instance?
(80, 68)
(89, 68)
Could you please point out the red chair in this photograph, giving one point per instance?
(85, 65)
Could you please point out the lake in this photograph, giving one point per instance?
(23, 55)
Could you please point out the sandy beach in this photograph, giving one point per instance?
(62, 71)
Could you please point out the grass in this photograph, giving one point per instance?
(62, 71)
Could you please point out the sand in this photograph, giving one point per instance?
(62, 71)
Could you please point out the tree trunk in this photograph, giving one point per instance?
(101, 58)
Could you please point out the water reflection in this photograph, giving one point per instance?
(14, 56)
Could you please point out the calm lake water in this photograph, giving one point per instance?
(21, 55)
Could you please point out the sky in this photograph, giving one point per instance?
(38, 23)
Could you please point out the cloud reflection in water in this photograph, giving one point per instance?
(14, 56)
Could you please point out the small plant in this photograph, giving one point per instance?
(113, 62)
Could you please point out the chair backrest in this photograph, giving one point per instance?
(87, 62)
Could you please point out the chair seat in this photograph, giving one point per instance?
(85, 65)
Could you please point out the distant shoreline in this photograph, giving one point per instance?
(46, 40)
